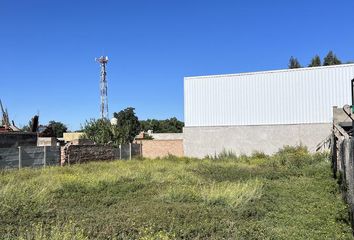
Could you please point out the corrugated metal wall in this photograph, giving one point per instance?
(275, 97)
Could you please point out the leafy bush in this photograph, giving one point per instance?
(295, 156)
(298, 150)
(101, 131)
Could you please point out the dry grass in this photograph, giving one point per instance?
(225, 197)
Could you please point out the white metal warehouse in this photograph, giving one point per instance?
(262, 111)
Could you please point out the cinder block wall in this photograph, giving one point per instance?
(161, 148)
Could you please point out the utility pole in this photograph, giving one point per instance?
(103, 60)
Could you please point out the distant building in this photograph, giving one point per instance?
(262, 111)
(71, 136)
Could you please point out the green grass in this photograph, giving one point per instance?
(290, 195)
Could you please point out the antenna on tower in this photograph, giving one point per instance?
(103, 60)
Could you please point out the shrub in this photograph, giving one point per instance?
(293, 156)
(299, 149)
(258, 154)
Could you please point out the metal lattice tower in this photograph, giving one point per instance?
(103, 60)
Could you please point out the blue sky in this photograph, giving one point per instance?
(48, 49)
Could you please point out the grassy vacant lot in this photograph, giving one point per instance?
(290, 195)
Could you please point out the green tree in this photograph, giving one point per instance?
(294, 63)
(101, 131)
(98, 131)
(149, 124)
(315, 61)
(128, 126)
(58, 128)
(172, 125)
(331, 59)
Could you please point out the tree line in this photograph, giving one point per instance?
(172, 125)
(123, 129)
(329, 59)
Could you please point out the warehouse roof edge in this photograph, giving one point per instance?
(269, 71)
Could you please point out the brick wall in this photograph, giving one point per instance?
(161, 148)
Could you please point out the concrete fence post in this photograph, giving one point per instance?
(334, 156)
(67, 153)
(44, 156)
(350, 179)
(120, 152)
(130, 151)
(19, 157)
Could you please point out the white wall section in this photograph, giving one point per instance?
(294, 96)
(203, 141)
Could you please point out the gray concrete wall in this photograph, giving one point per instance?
(30, 157)
(203, 141)
(9, 158)
(16, 139)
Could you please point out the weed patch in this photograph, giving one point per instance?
(289, 195)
